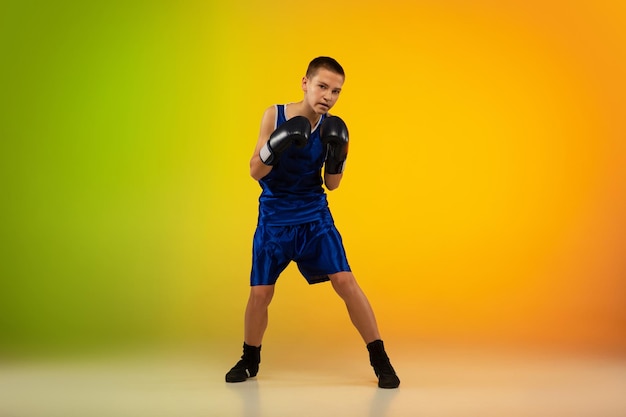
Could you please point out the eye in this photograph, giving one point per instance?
(323, 87)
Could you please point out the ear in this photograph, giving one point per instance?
(305, 81)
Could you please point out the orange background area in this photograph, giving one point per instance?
(484, 196)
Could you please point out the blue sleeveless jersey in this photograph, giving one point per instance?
(292, 191)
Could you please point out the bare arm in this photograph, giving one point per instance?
(257, 168)
(332, 181)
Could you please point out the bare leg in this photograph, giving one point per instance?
(362, 317)
(255, 323)
(359, 308)
(256, 317)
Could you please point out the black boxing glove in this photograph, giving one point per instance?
(295, 131)
(334, 134)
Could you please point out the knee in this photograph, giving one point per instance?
(344, 283)
(261, 295)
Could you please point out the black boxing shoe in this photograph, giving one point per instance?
(379, 360)
(247, 367)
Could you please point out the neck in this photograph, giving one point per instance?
(300, 109)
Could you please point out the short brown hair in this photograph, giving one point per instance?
(324, 62)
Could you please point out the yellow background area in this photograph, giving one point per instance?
(483, 200)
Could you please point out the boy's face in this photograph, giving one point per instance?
(321, 91)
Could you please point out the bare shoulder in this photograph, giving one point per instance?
(270, 113)
(268, 122)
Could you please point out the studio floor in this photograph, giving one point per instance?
(435, 383)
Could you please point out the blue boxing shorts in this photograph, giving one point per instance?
(316, 248)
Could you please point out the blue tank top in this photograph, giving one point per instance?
(292, 191)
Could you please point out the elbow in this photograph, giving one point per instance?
(332, 181)
(254, 173)
(258, 170)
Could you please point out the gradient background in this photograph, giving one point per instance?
(484, 199)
